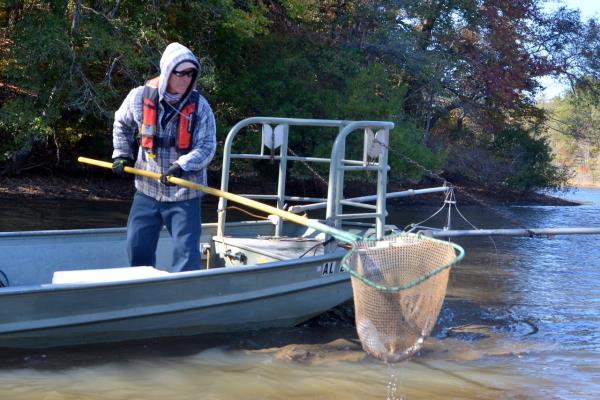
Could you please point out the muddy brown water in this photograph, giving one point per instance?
(521, 320)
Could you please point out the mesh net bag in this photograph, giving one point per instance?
(399, 284)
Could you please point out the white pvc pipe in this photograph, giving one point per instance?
(512, 232)
(364, 199)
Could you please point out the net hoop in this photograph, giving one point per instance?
(459, 251)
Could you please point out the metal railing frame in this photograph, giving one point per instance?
(338, 166)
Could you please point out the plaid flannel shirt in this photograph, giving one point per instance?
(128, 120)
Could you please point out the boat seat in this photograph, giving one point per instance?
(106, 275)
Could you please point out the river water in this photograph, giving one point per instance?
(521, 320)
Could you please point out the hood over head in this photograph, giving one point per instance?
(175, 54)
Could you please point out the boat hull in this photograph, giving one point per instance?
(225, 299)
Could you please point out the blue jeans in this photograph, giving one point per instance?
(146, 219)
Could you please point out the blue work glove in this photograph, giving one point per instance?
(119, 165)
(174, 170)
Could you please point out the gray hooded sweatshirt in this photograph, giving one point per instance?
(128, 121)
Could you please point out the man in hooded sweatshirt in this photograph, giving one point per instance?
(176, 129)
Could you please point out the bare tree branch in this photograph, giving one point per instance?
(76, 18)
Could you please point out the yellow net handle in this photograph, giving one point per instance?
(311, 223)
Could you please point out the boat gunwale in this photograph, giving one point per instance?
(173, 276)
(297, 287)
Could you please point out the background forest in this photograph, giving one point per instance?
(459, 78)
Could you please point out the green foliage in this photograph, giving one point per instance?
(573, 129)
(376, 92)
(529, 157)
(21, 125)
(584, 120)
(42, 55)
(283, 76)
(303, 10)
(249, 23)
(456, 77)
(409, 159)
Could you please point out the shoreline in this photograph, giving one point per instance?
(585, 185)
(106, 187)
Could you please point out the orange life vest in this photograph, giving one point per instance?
(187, 117)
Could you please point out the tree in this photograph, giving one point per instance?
(72, 62)
(454, 75)
(573, 125)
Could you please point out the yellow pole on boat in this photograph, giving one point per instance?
(298, 219)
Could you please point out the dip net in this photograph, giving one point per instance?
(399, 284)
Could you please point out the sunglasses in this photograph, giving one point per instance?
(180, 74)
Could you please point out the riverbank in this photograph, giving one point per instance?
(107, 187)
